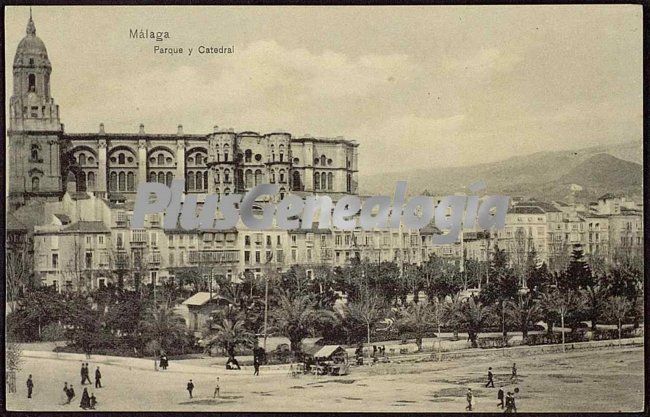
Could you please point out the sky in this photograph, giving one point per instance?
(417, 87)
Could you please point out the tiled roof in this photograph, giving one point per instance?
(87, 227)
(526, 210)
(199, 299)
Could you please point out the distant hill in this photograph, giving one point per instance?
(545, 175)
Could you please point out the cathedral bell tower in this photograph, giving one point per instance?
(34, 136)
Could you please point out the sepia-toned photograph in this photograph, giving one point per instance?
(324, 209)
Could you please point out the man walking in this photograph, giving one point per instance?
(490, 382)
(216, 390)
(98, 378)
(70, 393)
(256, 365)
(514, 372)
(190, 387)
(470, 399)
(30, 386)
(500, 397)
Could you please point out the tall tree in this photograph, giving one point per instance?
(229, 336)
(417, 319)
(618, 307)
(578, 273)
(474, 316)
(296, 317)
(525, 312)
(166, 327)
(369, 310)
(503, 285)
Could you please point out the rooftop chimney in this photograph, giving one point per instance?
(180, 130)
(101, 128)
(141, 129)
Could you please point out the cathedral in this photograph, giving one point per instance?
(44, 161)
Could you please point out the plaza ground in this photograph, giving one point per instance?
(605, 379)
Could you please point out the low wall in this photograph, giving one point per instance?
(537, 349)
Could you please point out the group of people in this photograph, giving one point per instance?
(507, 400)
(88, 401)
(85, 376)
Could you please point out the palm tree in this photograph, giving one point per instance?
(525, 312)
(230, 335)
(594, 297)
(417, 318)
(618, 308)
(164, 326)
(452, 313)
(473, 318)
(296, 317)
(369, 309)
(562, 303)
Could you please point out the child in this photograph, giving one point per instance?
(216, 390)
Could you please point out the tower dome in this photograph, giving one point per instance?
(31, 47)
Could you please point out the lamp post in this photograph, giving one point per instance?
(266, 298)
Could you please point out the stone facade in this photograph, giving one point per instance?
(44, 158)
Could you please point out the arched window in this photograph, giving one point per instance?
(216, 176)
(120, 158)
(91, 181)
(273, 157)
(323, 181)
(130, 181)
(161, 159)
(32, 82)
(205, 180)
(330, 178)
(317, 180)
(248, 155)
(152, 177)
(282, 175)
(323, 160)
(82, 159)
(258, 177)
(169, 179)
(81, 181)
(225, 156)
(199, 180)
(249, 178)
(199, 159)
(272, 176)
(190, 180)
(161, 177)
(122, 181)
(112, 184)
(226, 175)
(316, 160)
(35, 183)
(281, 153)
(296, 181)
(34, 152)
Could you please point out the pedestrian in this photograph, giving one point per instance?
(85, 376)
(216, 390)
(514, 372)
(510, 403)
(98, 378)
(93, 401)
(190, 387)
(85, 400)
(30, 386)
(500, 398)
(71, 393)
(490, 382)
(470, 399)
(256, 365)
(65, 393)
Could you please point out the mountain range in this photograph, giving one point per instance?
(548, 175)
